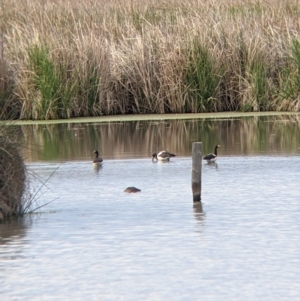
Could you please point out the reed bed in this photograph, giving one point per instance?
(64, 59)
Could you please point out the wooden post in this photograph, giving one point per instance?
(196, 171)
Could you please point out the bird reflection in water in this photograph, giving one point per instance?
(212, 165)
(97, 168)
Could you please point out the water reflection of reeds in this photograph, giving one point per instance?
(251, 135)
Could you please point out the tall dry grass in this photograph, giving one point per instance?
(88, 58)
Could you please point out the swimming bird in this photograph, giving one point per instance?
(132, 189)
(97, 160)
(162, 156)
(212, 157)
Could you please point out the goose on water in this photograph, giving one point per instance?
(212, 157)
(162, 156)
(97, 160)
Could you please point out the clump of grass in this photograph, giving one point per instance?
(16, 196)
(12, 176)
(256, 87)
(203, 78)
(289, 79)
(52, 85)
(45, 84)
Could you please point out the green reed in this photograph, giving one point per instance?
(203, 79)
(45, 83)
(53, 85)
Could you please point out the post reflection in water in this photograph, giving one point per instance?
(139, 139)
(198, 210)
(199, 216)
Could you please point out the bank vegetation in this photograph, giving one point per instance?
(64, 59)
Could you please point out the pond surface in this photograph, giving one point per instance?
(95, 242)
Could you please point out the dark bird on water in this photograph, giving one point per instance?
(162, 156)
(212, 157)
(97, 160)
(132, 190)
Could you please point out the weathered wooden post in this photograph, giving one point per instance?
(196, 171)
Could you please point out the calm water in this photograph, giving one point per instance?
(95, 242)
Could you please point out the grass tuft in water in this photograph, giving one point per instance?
(18, 197)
